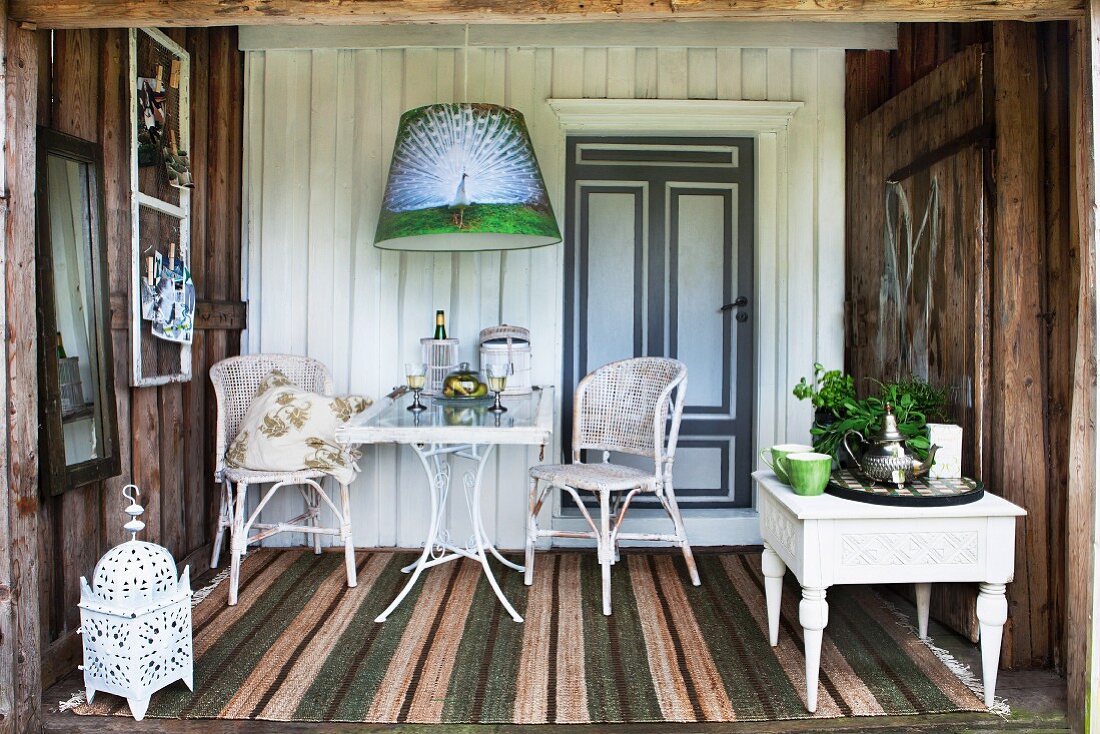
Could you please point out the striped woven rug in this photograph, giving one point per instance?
(301, 646)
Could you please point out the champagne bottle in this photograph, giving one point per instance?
(440, 326)
(60, 347)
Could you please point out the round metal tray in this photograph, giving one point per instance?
(923, 492)
(464, 402)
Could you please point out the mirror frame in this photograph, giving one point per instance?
(56, 475)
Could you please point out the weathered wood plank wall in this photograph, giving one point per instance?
(875, 76)
(1061, 293)
(932, 131)
(1027, 344)
(20, 681)
(165, 432)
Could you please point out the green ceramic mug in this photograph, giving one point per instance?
(808, 472)
(775, 456)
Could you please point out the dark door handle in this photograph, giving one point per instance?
(741, 302)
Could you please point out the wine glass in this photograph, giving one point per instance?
(498, 380)
(416, 377)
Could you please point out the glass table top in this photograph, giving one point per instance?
(529, 420)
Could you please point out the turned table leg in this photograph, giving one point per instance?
(923, 593)
(773, 568)
(813, 615)
(992, 610)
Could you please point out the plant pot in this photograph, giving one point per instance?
(824, 417)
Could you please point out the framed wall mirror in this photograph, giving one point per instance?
(79, 426)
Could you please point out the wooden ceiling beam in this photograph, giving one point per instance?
(125, 13)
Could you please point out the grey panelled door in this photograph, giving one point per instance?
(659, 262)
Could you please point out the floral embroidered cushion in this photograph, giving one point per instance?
(287, 429)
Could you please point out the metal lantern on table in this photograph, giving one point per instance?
(135, 618)
(506, 344)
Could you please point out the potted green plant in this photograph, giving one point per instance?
(838, 410)
(829, 390)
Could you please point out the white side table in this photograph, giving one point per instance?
(827, 540)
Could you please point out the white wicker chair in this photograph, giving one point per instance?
(624, 407)
(235, 383)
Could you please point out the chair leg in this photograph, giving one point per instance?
(237, 540)
(605, 551)
(345, 535)
(244, 515)
(678, 521)
(225, 519)
(315, 521)
(532, 533)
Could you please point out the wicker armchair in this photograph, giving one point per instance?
(235, 383)
(624, 407)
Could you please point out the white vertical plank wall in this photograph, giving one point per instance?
(320, 130)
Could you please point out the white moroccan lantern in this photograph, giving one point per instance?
(135, 618)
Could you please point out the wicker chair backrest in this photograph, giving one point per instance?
(624, 406)
(236, 380)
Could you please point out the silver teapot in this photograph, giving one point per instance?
(885, 459)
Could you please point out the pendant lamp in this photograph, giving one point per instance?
(464, 178)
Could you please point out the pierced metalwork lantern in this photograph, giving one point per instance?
(135, 618)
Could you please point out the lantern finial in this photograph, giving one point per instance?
(134, 526)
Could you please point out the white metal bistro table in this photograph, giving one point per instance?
(467, 432)
(827, 540)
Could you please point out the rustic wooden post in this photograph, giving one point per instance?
(1016, 340)
(1081, 608)
(122, 13)
(20, 679)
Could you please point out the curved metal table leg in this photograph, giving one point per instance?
(439, 482)
(479, 534)
(493, 549)
(434, 490)
(479, 524)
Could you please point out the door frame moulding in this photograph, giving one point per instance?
(773, 125)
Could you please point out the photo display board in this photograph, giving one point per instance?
(163, 295)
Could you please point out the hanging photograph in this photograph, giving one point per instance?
(149, 285)
(150, 119)
(178, 165)
(168, 298)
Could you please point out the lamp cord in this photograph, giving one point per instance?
(466, 64)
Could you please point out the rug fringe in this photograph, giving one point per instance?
(75, 700)
(207, 590)
(960, 669)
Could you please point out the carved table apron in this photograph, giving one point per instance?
(827, 540)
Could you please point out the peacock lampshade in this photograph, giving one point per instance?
(464, 177)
